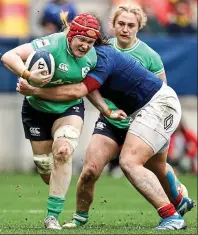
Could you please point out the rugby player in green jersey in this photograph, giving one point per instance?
(112, 134)
(126, 21)
(54, 128)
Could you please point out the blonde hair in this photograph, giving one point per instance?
(64, 19)
(135, 9)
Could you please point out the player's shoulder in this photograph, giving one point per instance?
(53, 41)
(105, 54)
(91, 56)
(147, 49)
(57, 38)
(92, 52)
(110, 56)
(105, 50)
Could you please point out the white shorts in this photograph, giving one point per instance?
(157, 120)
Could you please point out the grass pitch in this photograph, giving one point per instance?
(117, 208)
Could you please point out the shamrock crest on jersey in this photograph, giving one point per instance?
(85, 70)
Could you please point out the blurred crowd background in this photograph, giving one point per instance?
(171, 30)
(23, 18)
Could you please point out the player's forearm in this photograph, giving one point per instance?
(61, 93)
(96, 99)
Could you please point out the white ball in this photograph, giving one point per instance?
(40, 59)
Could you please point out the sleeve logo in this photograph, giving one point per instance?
(85, 70)
(42, 43)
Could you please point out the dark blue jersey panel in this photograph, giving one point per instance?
(124, 80)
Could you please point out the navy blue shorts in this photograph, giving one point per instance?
(38, 125)
(103, 127)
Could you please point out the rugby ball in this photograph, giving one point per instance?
(40, 59)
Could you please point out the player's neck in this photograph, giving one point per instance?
(127, 46)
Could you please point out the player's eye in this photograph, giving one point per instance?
(131, 25)
(81, 39)
(121, 23)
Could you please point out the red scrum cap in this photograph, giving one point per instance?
(84, 25)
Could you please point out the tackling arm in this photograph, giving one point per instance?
(72, 92)
(62, 93)
(96, 99)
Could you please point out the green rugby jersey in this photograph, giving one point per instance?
(68, 69)
(148, 58)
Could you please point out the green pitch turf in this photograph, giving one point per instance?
(117, 208)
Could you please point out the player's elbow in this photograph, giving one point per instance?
(5, 57)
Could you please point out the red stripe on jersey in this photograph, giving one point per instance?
(91, 84)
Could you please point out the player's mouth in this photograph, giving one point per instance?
(80, 52)
(124, 36)
(83, 51)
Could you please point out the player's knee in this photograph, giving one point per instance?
(127, 163)
(65, 142)
(43, 163)
(62, 150)
(90, 173)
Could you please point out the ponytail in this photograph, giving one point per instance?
(64, 19)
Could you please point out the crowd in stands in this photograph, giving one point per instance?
(182, 153)
(173, 17)
(50, 19)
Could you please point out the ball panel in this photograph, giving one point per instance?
(40, 59)
(37, 56)
(52, 64)
(39, 64)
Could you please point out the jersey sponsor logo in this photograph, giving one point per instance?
(63, 67)
(85, 70)
(35, 131)
(168, 122)
(42, 43)
(100, 125)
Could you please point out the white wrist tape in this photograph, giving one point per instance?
(113, 115)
